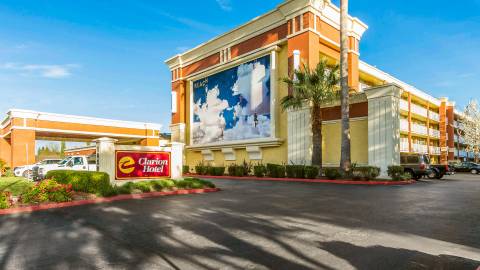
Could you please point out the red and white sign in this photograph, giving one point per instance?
(142, 165)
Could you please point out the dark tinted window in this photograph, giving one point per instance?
(78, 161)
(412, 159)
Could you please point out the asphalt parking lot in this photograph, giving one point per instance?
(259, 225)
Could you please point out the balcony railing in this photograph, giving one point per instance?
(435, 150)
(404, 146)
(419, 110)
(404, 125)
(419, 129)
(435, 133)
(420, 148)
(434, 116)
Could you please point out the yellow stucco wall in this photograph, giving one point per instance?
(332, 142)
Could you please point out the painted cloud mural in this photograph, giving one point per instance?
(233, 104)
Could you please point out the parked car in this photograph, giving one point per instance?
(26, 171)
(468, 166)
(439, 171)
(73, 163)
(418, 165)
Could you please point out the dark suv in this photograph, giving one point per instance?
(471, 167)
(417, 165)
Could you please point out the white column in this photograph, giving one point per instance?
(176, 161)
(106, 156)
(178, 132)
(383, 126)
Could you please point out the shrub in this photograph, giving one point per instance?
(295, 171)
(8, 173)
(186, 169)
(366, 172)
(126, 188)
(160, 185)
(332, 173)
(48, 191)
(290, 170)
(110, 192)
(259, 170)
(405, 177)
(216, 171)
(231, 169)
(201, 169)
(5, 199)
(143, 186)
(311, 172)
(396, 172)
(246, 167)
(275, 171)
(194, 183)
(82, 181)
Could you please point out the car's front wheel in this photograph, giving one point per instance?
(27, 174)
(474, 171)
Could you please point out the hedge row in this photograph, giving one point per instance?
(259, 170)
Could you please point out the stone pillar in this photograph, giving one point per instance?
(106, 156)
(176, 161)
(22, 142)
(178, 132)
(383, 126)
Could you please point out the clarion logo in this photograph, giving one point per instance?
(126, 165)
(138, 165)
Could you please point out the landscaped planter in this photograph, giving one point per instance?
(85, 199)
(378, 182)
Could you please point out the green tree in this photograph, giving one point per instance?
(313, 87)
(345, 160)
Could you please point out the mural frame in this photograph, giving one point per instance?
(273, 139)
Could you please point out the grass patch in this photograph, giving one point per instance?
(15, 185)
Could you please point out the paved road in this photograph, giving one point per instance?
(259, 225)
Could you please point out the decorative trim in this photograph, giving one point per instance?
(267, 142)
(254, 152)
(208, 155)
(76, 119)
(356, 119)
(84, 132)
(229, 154)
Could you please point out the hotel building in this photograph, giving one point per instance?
(226, 94)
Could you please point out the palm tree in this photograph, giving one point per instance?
(313, 87)
(345, 161)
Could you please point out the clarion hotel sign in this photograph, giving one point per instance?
(138, 165)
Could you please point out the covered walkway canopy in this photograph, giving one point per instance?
(21, 128)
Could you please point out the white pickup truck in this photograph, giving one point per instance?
(26, 171)
(73, 163)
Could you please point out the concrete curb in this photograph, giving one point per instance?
(105, 200)
(300, 180)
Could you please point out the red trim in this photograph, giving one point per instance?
(301, 180)
(105, 200)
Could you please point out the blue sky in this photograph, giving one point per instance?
(102, 59)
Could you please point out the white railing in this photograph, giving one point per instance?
(435, 133)
(419, 129)
(404, 125)
(419, 110)
(403, 105)
(404, 147)
(435, 150)
(420, 148)
(434, 116)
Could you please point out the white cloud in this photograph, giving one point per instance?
(225, 4)
(46, 71)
